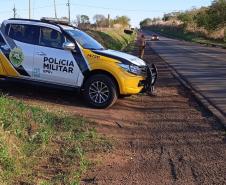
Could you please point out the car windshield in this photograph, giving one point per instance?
(85, 40)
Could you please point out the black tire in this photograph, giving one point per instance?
(100, 91)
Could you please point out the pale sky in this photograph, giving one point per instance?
(137, 10)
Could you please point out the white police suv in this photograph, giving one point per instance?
(56, 53)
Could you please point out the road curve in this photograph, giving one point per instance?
(202, 67)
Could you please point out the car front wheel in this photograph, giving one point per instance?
(100, 91)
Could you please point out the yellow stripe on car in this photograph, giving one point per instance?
(6, 68)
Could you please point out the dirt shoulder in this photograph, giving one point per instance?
(163, 139)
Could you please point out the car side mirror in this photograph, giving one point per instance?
(69, 46)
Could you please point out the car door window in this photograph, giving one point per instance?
(51, 38)
(24, 33)
(3, 44)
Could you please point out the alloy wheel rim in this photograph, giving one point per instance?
(99, 92)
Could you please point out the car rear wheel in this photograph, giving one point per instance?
(100, 91)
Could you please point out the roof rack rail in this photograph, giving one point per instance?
(22, 19)
(55, 20)
(47, 20)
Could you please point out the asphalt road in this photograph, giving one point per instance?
(202, 67)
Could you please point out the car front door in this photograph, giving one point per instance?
(52, 63)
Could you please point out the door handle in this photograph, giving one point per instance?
(40, 53)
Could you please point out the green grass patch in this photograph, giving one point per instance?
(42, 147)
(113, 39)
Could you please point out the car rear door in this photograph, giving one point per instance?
(22, 39)
(52, 63)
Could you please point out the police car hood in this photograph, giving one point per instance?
(123, 57)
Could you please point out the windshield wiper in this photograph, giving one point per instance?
(96, 48)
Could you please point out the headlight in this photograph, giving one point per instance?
(131, 69)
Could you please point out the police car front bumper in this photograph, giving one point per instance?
(151, 78)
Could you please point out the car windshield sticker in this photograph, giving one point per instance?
(16, 56)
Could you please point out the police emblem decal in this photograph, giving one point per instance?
(16, 56)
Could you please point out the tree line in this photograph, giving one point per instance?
(101, 21)
(205, 19)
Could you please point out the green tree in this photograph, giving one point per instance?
(202, 19)
(212, 17)
(185, 17)
(219, 8)
(146, 22)
(123, 20)
(85, 19)
(169, 16)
